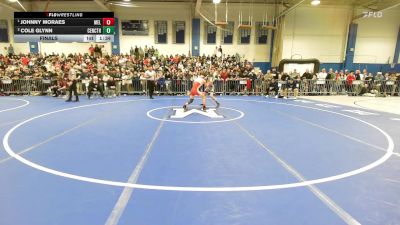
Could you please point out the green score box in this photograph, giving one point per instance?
(108, 30)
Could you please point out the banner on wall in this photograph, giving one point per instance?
(135, 27)
(301, 65)
(3, 31)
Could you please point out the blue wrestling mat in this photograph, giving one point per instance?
(253, 161)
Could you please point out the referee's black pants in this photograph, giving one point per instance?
(150, 88)
(73, 89)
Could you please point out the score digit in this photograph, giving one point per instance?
(108, 21)
(108, 30)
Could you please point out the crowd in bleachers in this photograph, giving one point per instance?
(38, 66)
(230, 72)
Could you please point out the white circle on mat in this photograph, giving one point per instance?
(14, 108)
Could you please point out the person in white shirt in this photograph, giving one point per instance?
(150, 75)
(321, 80)
(322, 75)
(216, 51)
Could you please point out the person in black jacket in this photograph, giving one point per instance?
(306, 78)
(307, 75)
(292, 86)
(111, 87)
(358, 75)
(273, 87)
(95, 85)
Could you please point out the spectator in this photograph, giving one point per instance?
(365, 73)
(216, 51)
(136, 52)
(91, 50)
(95, 85)
(273, 88)
(111, 87)
(379, 77)
(151, 51)
(146, 51)
(307, 75)
(358, 75)
(157, 53)
(60, 87)
(321, 77)
(131, 51)
(398, 84)
(331, 75)
(160, 81)
(97, 51)
(10, 50)
(224, 74)
(349, 82)
(295, 74)
(141, 53)
(391, 85)
(292, 86)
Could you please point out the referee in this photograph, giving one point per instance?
(150, 75)
(72, 87)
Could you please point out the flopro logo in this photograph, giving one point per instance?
(181, 113)
(371, 14)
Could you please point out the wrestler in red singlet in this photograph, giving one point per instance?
(197, 84)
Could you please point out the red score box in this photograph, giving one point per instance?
(108, 22)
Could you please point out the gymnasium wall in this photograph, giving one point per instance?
(167, 12)
(253, 51)
(377, 37)
(6, 14)
(316, 32)
(376, 42)
(156, 12)
(170, 12)
(164, 11)
(321, 32)
(309, 32)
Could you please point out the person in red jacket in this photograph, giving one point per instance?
(91, 50)
(25, 61)
(349, 81)
(350, 78)
(224, 75)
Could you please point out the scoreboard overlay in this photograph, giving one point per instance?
(64, 26)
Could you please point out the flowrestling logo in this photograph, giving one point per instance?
(180, 113)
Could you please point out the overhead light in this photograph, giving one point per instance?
(13, 0)
(126, 0)
(216, 1)
(315, 2)
(123, 4)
